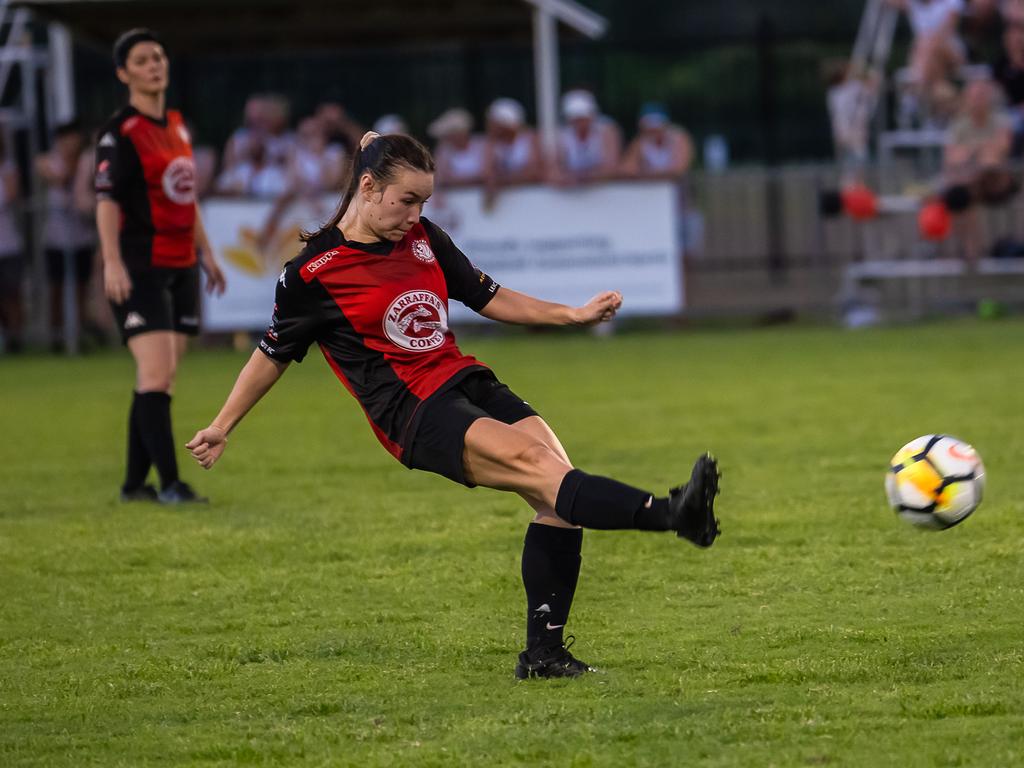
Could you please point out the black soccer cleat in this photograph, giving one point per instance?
(142, 493)
(692, 506)
(180, 493)
(551, 662)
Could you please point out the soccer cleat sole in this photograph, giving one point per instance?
(704, 478)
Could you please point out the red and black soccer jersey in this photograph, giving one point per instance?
(145, 166)
(380, 315)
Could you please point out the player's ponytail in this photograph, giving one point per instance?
(379, 156)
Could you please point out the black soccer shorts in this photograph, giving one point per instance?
(162, 299)
(440, 437)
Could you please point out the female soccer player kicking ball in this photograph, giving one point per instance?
(371, 288)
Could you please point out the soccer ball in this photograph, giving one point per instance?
(935, 481)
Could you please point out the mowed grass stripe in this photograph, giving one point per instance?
(332, 608)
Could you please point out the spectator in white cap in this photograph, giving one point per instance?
(660, 150)
(459, 153)
(513, 154)
(589, 144)
(390, 123)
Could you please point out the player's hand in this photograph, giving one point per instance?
(599, 309)
(116, 282)
(216, 283)
(208, 445)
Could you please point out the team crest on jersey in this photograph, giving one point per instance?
(416, 321)
(179, 180)
(421, 250)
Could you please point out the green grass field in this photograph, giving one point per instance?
(332, 608)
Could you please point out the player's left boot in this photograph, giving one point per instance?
(692, 506)
(142, 493)
(551, 662)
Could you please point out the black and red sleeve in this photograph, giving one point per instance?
(298, 317)
(466, 283)
(118, 167)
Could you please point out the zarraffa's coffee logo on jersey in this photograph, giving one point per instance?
(417, 321)
(179, 181)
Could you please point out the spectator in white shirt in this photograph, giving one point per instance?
(513, 154)
(459, 153)
(253, 175)
(589, 144)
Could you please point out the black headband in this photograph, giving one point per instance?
(129, 40)
(370, 155)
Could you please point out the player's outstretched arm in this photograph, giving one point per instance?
(510, 306)
(255, 380)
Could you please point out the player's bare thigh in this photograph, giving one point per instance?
(156, 360)
(526, 457)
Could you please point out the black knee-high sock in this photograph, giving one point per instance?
(138, 464)
(592, 501)
(551, 568)
(154, 412)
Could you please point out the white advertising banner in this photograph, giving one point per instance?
(556, 244)
(568, 245)
(252, 255)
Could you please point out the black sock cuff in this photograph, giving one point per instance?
(550, 538)
(152, 397)
(567, 493)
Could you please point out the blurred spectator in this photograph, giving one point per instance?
(12, 315)
(1013, 11)
(977, 148)
(1009, 73)
(254, 127)
(205, 159)
(83, 193)
(981, 28)
(253, 175)
(937, 50)
(341, 131)
(660, 150)
(851, 102)
(278, 139)
(83, 196)
(257, 154)
(314, 167)
(589, 144)
(512, 151)
(459, 153)
(68, 235)
(316, 163)
(390, 123)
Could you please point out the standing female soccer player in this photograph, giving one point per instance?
(149, 228)
(372, 289)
